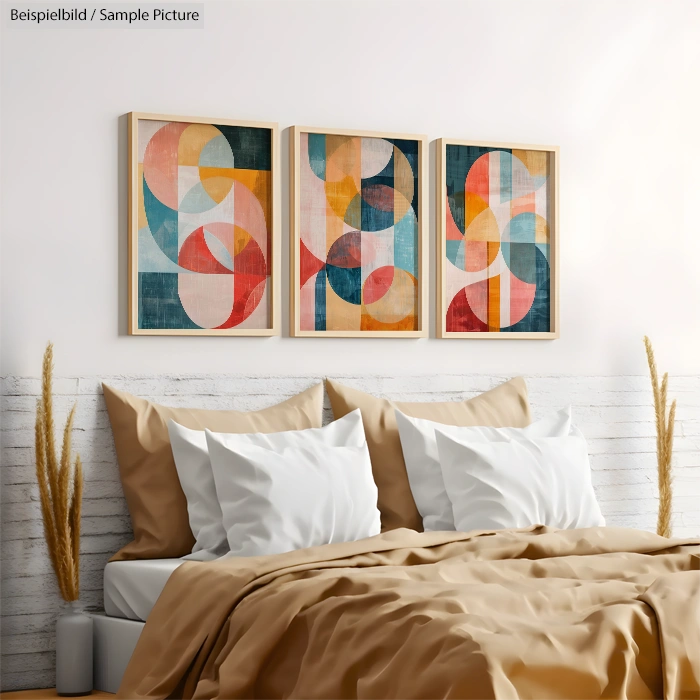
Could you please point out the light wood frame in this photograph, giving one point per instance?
(275, 277)
(553, 222)
(295, 234)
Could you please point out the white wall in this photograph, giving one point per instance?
(614, 83)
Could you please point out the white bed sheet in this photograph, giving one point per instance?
(131, 588)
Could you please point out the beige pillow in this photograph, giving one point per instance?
(504, 406)
(152, 489)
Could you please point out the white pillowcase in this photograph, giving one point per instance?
(197, 480)
(522, 482)
(285, 491)
(420, 453)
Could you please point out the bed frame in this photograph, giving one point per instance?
(114, 640)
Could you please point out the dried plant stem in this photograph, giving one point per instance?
(76, 505)
(47, 408)
(665, 420)
(60, 488)
(45, 496)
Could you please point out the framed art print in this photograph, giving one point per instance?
(203, 231)
(358, 250)
(497, 240)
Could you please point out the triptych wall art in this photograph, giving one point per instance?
(496, 233)
(204, 237)
(203, 233)
(357, 234)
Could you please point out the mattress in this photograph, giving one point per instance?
(131, 588)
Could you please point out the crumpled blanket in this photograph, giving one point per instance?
(533, 613)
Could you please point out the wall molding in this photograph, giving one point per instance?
(614, 413)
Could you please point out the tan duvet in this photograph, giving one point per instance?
(537, 613)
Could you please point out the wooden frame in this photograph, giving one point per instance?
(275, 276)
(294, 162)
(553, 221)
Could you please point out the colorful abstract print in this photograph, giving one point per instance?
(204, 226)
(358, 247)
(497, 272)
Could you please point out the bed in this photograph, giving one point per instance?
(539, 612)
(392, 553)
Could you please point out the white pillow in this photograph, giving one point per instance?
(284, 491)
(194, 470)
(197, 480)
(420, 453)
(522, 482)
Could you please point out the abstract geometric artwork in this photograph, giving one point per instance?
(357, 241)
(202, 232)
(497, 231)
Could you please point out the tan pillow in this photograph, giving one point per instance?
(154, 497)
(504, 406)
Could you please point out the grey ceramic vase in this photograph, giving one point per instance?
(73, 651)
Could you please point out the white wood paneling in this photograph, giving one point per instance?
(614, 413)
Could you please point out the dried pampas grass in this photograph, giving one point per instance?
(60, 488)
(664, 442)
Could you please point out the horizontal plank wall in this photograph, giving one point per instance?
(614, 413)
